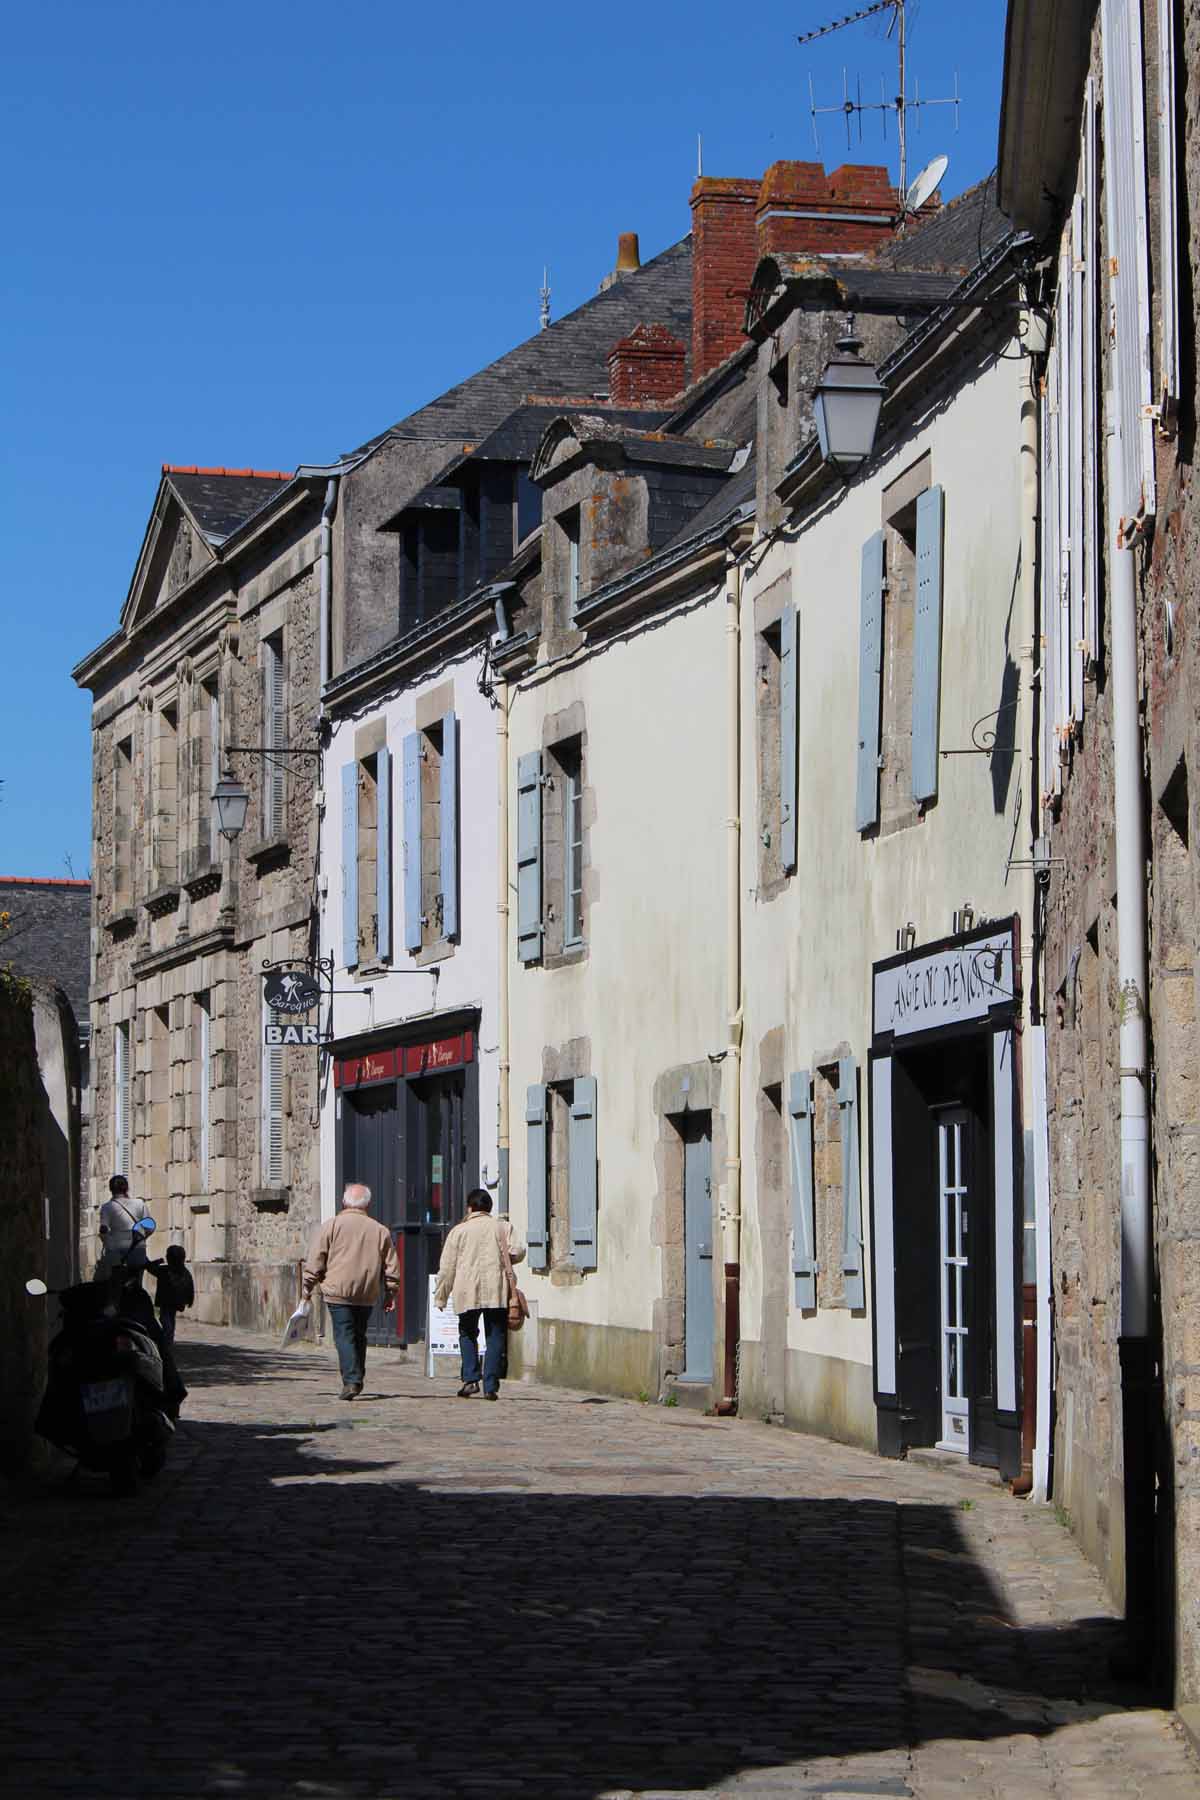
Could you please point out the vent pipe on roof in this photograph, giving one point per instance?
(629, 258)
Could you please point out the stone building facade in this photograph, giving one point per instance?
(45, 932)
(1098, 156)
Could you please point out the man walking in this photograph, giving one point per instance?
(351, 1256)
(473, 1276)
(120, 1245)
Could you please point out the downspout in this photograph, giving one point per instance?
(326, 581)
(1134, 1345)
(1035, 1295)
(731, 1220)
(502, 1108)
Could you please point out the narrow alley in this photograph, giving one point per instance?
(561, 1595)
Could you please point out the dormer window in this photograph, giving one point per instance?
(568, 524)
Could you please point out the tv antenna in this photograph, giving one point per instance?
(901, 105)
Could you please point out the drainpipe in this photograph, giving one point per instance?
(1137, 1362)
(731, 1221)
(1035, 1295)
(502, 1109)
(326, 559)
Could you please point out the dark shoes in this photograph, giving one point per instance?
(468, 1390)
(351, 1391)
(491, 1396)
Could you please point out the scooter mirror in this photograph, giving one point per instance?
(34, 1286)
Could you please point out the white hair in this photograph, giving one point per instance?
(357, 1193)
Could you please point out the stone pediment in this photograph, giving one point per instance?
(173, 553)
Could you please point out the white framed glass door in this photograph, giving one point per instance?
(954, 1211)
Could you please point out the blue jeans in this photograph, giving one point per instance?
(350, 1336)
(495, 1342)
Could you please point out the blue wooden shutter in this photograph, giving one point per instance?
(804, 1261)
(529, 857)
(927, 645)
(350, 864)
(870, 682)
(583, 1173)
(412, 841)
(535, 1176)
(852, 1249)
(787, 738)
(449, 818)
(383, 856)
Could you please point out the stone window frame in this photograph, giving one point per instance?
(164, 788)
(561, 1069)
(569, 525)
(205, 758)
(564, 751)
(898, 518)
(123, 791)
(769, 606)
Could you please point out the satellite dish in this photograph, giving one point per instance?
(929, 178)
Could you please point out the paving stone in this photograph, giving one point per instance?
(410, 1597)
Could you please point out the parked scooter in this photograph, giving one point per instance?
(107, 1401)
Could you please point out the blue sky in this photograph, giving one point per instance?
(240, 235)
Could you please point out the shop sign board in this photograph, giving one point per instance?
(946, 987)
(407, 1059)
(441, 1335)
(292, 1034)
(291, 991)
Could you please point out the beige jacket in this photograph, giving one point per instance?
(348, 1256)
(471, 1272)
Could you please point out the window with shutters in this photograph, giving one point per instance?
(202, 1069)
(205, 839)
(122, 843)
(562, 1177)
(565, 807)
(368, 858)
(165, 793)
(778, 749)
(432, 902)
(274, 776)
(569, 528)
(122, 1159)
(828, 1199)
(273, 1077)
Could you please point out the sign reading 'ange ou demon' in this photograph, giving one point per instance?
(291, 991)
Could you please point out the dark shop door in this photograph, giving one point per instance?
(436, 1185)
(370, 1140)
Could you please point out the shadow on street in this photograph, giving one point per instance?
(273, 1631)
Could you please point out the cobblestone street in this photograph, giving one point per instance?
(559, 1595)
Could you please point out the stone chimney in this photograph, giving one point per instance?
(646, 367)
(795, 209)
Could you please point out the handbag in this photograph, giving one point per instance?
(518, 1305)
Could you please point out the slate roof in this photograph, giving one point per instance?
(49, 933)
(956, 239)
(220, 502)
(568, 357)
(518, 437)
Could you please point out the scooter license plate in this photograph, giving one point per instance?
(105, 1396)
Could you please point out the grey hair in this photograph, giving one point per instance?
(357, 1193)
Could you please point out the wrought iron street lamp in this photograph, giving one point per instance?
(231, 801)
(846, 403)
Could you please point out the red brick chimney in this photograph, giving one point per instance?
(801, 209)
(645, 367)
(724, 252)
(795, 208)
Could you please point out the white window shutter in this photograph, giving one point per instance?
(1128, 250)
(383, 855)
(529, 857)
(1168, 205)
(788, 741)
(536, 1224)
(800, 1137)
(581, 1158)
(448, 812)
(870, 683)
(927, 645)
(272, 1106)
(275, 718)
(350, 864)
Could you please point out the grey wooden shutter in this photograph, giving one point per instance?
(275, 774)
(449, 825)
(852, 1248)
(582, 1160)
(787, 738)
(272, 1106)
(529, 857)
(927, 645)
(412, 841)
(535, 1176)
(350, 864)
(1168, 202)
(870, 682)
(800, 1132)
(1090, 333)
(1123, 113)
(383, 855)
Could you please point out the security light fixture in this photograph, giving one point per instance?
(846, 403)
(231, 801)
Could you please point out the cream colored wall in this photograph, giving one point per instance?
(649, 994)
(808, 952)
